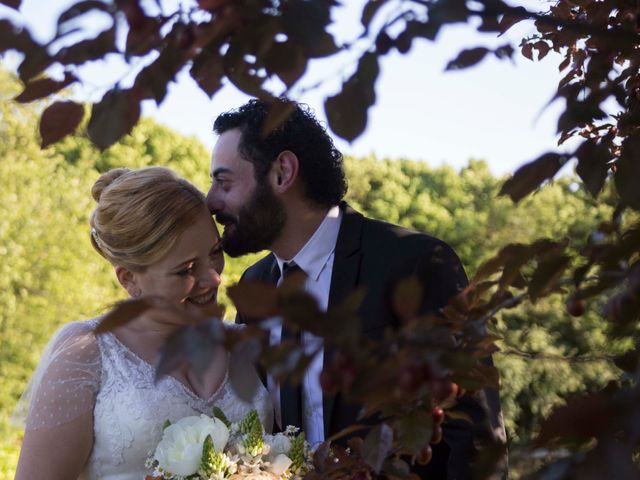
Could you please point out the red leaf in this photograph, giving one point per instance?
(254, 299)
(44, 87)
(59, 120)
(81, 8)
(113, 117)
(208, 71)
(407, 298)
(347, 111)
(123, 313)
(278, 113)
(529, 177)
(509, 20)
(15, 4)
(527, 51)
(467, 58)
(91, 49)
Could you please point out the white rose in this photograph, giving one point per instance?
(180, 450)
(280, 464)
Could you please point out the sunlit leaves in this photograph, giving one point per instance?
(530, 176)
(113, 117)
(347, 111)
(59, 120)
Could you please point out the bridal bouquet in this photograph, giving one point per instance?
(212, 448)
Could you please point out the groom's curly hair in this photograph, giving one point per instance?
(321, 164)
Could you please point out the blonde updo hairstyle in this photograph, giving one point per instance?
(140, 214)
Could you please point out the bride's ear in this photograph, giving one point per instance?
(128, 280)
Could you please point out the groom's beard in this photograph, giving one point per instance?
(257, 224)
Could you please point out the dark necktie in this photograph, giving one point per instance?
(290, 395)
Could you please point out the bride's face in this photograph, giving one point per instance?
(190, 273)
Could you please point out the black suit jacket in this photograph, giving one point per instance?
(374, 255)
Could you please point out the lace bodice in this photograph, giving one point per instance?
(130, 409)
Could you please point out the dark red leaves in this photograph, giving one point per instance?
(59, 120)
(467, 58)
(43, 87)
(347, 110)
(113, 117)
(530, 176)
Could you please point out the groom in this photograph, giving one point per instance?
(284, 192)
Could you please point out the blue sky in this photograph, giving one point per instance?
(494, 111)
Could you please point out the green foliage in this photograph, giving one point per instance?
(212, 463)
(219, 414)
(297, 453)
(251, 428)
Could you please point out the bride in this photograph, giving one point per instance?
(94, 409)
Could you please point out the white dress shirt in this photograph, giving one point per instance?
(316, 260)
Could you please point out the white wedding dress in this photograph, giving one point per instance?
(81, 371)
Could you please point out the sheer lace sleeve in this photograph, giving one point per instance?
(65, 383)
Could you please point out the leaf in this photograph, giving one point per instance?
(530, 176)
(254, 299)
(414, 430)
(305, 24)
(369, 11)
(208, 71)
(547, 275)
(153, 79)
(479, 376)
(407, 297)
(123, 313)
(527, 51)
(347, 111)
(59, 120)
(113, 117)
(15, 37)
(467, 58)
(219, 414)
(44, 87)
(15, 4)
(579, 420)
(286, 60)
(628, 172)
(279, 111)
(242, 374)
(81, 8)
(593, 165)
(543, 48)
(516, 15)
(377, 445)
(145, 38)
(91, 49)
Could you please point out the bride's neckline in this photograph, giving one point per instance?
(150, 368)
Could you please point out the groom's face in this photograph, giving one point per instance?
(250, 212)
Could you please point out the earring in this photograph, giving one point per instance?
(135, 293)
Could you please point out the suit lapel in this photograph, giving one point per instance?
(346, 268)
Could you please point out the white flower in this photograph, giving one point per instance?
(180, 449)
(278, 443)
(280, 464)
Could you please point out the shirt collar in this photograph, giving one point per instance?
(316, 252)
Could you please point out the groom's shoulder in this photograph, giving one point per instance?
(378, 232)
(260, 269)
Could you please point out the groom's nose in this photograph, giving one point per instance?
(213, 201)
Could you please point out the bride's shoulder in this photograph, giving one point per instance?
(76, 337)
